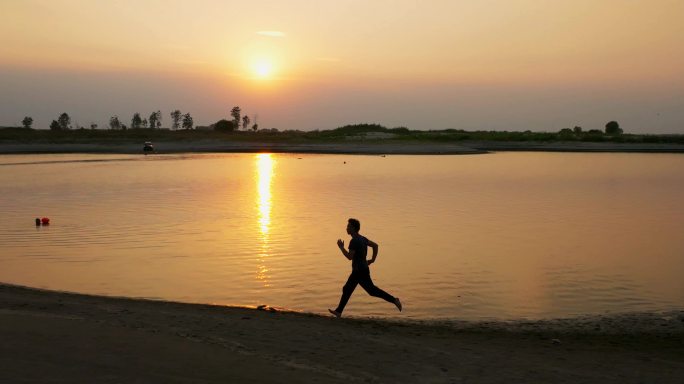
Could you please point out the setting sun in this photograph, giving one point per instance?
(262, 69)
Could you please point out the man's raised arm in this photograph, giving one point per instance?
(348, 254)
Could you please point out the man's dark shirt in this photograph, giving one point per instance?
(359, 245)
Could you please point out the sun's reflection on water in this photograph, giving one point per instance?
(265, 165)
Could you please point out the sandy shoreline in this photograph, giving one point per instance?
(368, 147)
(63, 337)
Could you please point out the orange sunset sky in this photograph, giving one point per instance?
(432, 64)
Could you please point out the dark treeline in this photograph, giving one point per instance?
(154, 121)
(224, 129)
(611, 133)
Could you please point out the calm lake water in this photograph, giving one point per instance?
(505, 235)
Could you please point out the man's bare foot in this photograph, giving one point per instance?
(337, 314)
(397, 302)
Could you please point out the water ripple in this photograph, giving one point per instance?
(498, 236)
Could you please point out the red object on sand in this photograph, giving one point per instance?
(45, 221)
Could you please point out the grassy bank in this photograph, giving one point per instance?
(361, 132)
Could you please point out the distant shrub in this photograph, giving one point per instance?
(651, 139)
(224, 125)
(613, 128)
(360, 128)
(399, 130)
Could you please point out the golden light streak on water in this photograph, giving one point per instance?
(265, 165)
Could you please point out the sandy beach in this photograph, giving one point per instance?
(62, 337)
(352, 147)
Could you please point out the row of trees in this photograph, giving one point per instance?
(234, 124)
(62, 122)
(186, 121)
(154, 121)
(612, 128)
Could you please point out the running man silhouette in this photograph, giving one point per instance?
(358, 249)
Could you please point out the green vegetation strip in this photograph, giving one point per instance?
(357, 132)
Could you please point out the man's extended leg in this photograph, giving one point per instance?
(367, 284)
(347, 291)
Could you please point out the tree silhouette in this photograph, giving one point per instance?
(159, 119)
(136, 121)
(613, 128)
(235, 113)
(27, 122)
(64, 121)
(155, 120)
(187, 121)
(54, 126)
(223, 125)
(114, 122)
(245, 122)
(176, 118)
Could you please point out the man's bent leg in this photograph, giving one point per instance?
(347, 291)
(374, 291)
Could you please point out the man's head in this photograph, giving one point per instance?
(353, 226)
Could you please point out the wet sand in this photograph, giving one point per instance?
(60, 337)
(352, 147)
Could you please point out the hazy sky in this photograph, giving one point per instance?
(297, 64)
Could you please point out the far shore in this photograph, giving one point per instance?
(352, 147)
(50, 336)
